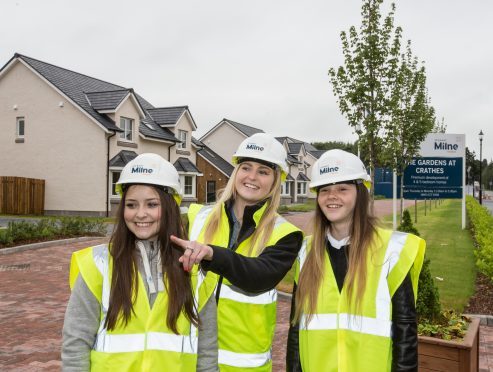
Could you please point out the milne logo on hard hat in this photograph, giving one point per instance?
(254, 146)
(328, 169)
(139, 169)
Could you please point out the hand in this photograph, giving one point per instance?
(194, 252)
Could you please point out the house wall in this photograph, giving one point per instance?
(184, 123)
(224, 140)
(61, 145)
(210, 173)
(138, 144)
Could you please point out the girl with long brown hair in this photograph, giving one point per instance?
(353, 306)
(132, 305)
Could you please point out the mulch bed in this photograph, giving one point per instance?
(482, 300)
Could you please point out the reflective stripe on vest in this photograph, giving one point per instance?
(199, 222)
(135, 342)
(230, 293)
(243, 360)
(357, 323)
(380, 325)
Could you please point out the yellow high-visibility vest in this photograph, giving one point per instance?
(246, 321)
(338, 338)
(145, 343)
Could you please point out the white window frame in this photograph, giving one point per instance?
(183, 137)
(18, 121)
(302, 185)
(286, 188)
(127, 129)
(112, 182)
(183, 177)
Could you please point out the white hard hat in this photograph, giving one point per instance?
(264, 147)
(151, 169)
(338, 166)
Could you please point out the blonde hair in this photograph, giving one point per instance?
(266, 224)
(362, 235)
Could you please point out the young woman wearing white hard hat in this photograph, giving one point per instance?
(132, 306)
(250, 248)
(353, 305)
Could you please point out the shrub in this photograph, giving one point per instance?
(407, 225)
(481, 223)
(46, 228)
(428, 306)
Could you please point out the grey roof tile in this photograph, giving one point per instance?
(166, 115)
(317, 153)
(245, 129)
(106, 100)
(122, 158)
(302, 177)
(216, 160)
(185, 165)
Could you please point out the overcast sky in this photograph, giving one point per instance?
(261, 63)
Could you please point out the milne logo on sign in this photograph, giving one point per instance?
(141, 170)
(328, 169)
(441, 145)
(253, 146)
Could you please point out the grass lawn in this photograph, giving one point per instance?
(449, 248)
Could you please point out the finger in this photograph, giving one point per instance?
(180, 242)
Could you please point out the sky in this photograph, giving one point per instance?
(257, 62)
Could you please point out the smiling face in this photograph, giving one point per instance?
(337, 203)
(142, 211)
(253, 182)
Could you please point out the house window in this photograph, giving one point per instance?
(20, 126)
(286, 188)
(182, 136)
(301, 188)
(210, 192)
(115, 176)
(126, 125)
(188, 183)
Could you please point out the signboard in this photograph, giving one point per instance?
(439, 173)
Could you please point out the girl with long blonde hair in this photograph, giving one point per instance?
(249, 247)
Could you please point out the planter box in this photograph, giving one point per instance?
(441, 355)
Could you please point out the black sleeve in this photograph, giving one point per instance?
(404, 329)
(293, 362)
(256, 274)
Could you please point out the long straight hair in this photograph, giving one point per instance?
(362, 234)
(266, 224)
(124, 280)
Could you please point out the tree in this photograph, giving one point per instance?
(411, 115)
(346, 146)
(363, 85)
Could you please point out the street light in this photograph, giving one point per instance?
(481, 135)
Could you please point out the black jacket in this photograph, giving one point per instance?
(404, 326)
(254, 274)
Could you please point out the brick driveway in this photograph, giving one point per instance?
(33, 295)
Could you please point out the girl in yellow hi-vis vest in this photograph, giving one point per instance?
(353, 307)
(133, 307)
(250, 248)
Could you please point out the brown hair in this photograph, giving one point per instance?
(362, 233)
(124, 281)
(266, 224)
